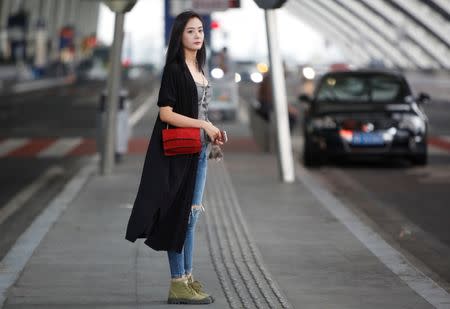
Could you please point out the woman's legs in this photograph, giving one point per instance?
(176, 263)
(181, 263)
(189, 242)
(200, 181)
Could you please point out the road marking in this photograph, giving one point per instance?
(11, 144)
(23, 196)
(40, 84)
(86, 148)
(15, 260)
(142, 110)
(441, 142)
(78, 146)
(32, 147)
(61, 148)
(389, 256)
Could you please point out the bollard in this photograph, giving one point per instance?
(122, 126)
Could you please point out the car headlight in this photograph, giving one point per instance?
(217, 73)
(413, 123)
(309, 73)
(237, 77)
(256, 77)
(323, 123)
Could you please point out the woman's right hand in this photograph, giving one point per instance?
(212, 131)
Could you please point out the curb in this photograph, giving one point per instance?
(15, 261)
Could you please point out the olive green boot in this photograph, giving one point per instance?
(181, 293)
(198, 287)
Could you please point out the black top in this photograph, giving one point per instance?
(161, 209)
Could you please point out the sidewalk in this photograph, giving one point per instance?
(260, 244)
(10, 82)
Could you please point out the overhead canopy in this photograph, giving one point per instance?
(404, 34)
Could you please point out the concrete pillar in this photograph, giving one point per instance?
(88, 14)
(5, 9)
(15, 5)
(72, 8)
(60, 20)
(47, 12)
(32, 8)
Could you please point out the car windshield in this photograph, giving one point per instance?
(363, 88)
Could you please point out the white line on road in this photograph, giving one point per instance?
(23, 196)
(40, 84)
(142, 110)
(389, 256)
(60, 148)
(11, 144)
(14, 262)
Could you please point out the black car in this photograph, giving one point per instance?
(364, 113)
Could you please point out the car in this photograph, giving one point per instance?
(247, 70)
(364, 113)
(224, 100)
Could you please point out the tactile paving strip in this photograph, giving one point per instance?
(245, 280)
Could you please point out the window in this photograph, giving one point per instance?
(361, 88)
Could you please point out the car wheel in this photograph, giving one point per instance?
(311, 158)
(420, 159)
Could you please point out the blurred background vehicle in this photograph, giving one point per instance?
(364, 113)
(247, 71)
(224, 100)
(96, 66)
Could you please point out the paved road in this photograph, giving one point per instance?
(43, 138)
(408, 205)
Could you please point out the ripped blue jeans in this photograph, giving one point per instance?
(181, 263)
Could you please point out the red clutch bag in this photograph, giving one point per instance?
(179, 141)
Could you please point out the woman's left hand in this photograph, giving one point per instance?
(218, 140)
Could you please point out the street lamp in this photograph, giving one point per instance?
(120, 7)
(285, 159)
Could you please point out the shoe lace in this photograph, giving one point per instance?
(191, 290)
(197, 286)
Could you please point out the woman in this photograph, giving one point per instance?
(169, 198)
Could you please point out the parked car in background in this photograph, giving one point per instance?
(364, 113)
(248, 71)
(224, 100)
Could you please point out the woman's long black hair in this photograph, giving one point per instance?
(175, 51)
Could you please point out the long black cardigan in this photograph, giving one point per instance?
(163, 202)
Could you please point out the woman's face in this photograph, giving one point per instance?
(193, 34)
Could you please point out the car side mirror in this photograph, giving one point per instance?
(304, 98)
(423, 98)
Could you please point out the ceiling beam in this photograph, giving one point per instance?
(357, 39)
(372, 35)
(401, 33)
(359, 11)
(402, 6)
(310, 17)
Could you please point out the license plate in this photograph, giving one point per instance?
(367, 139)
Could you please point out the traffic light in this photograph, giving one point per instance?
(270, 4)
